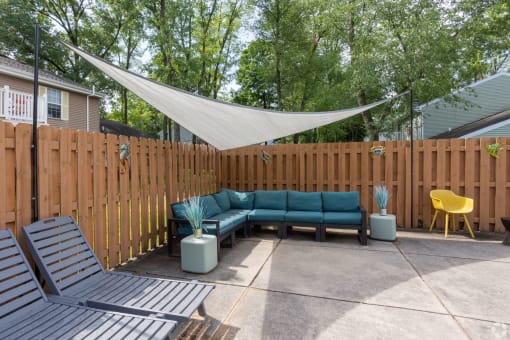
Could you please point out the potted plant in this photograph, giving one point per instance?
(195, 213)
(494, 149)
(381, 196)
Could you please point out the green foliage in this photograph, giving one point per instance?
(307, 56)
(141, 115)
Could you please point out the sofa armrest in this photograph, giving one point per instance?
(216, 225)
(172, 221)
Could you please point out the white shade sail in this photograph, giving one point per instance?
(223, 125)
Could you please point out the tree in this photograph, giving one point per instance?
(192, 43)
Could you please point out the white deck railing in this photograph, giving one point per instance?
(17, 107)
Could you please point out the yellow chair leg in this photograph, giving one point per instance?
(453, 222)
(446, 226)
(433, 220)
(469, 226)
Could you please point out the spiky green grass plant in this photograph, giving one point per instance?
(381, 196)
(195, 213)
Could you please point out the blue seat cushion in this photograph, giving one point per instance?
(223, 200)
(340, 201)
(211, 208)
(240, 200)
(304, 216)
(341, 218)
(228, 221)
(269, 215)
(268, 199)
(304, 201)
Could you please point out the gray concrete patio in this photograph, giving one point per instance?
(419, 287)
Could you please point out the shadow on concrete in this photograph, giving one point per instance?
(436, 278)
(421, 286)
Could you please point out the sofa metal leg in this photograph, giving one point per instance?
(318, 234)
(282, 231)
(362, 236)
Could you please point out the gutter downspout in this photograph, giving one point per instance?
(88, 107)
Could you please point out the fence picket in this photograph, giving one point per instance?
(135, 195)
(99, 197)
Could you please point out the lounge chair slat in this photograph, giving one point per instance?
(120, 289)
(46, 232)
(14, 281)
(14, 267)
(78, 258)
(77, 277)
(7, 252)
(5, 243)
(19, 303)
(58, 247)
(74, 270)
(56, 239)
(81, 249)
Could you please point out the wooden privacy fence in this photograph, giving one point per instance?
(120, 205)
(462, 165)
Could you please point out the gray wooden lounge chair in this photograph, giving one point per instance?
(26, 312)
(73, 272)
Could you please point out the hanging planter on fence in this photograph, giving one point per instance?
(494, 149)
(266, 157)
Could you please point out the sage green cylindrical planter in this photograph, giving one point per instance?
(199, 254)
(383, 227)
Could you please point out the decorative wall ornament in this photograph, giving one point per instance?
(377, 150)
(124, 157)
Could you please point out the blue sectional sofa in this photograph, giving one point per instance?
(229, 211)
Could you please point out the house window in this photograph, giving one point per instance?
(54, 103)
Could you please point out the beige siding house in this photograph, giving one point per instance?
(61, 102)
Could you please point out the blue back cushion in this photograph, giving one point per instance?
(223, 200)
(211, 208)
(178, 210)
(340, 201)
(275, 200)
(304, 201)
(240, 200)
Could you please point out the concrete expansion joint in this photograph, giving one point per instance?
(461, 258)
(243, 294)
(434, 293)
(349, 301)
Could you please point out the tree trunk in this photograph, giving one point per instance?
(367, 117)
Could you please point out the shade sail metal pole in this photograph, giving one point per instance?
(412, 152)
(35, 101)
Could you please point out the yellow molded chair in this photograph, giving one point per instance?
(450, 203)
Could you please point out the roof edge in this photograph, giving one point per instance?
(45, 80)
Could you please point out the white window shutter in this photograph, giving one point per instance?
(65, 105)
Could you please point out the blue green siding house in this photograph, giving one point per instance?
(482, 110)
